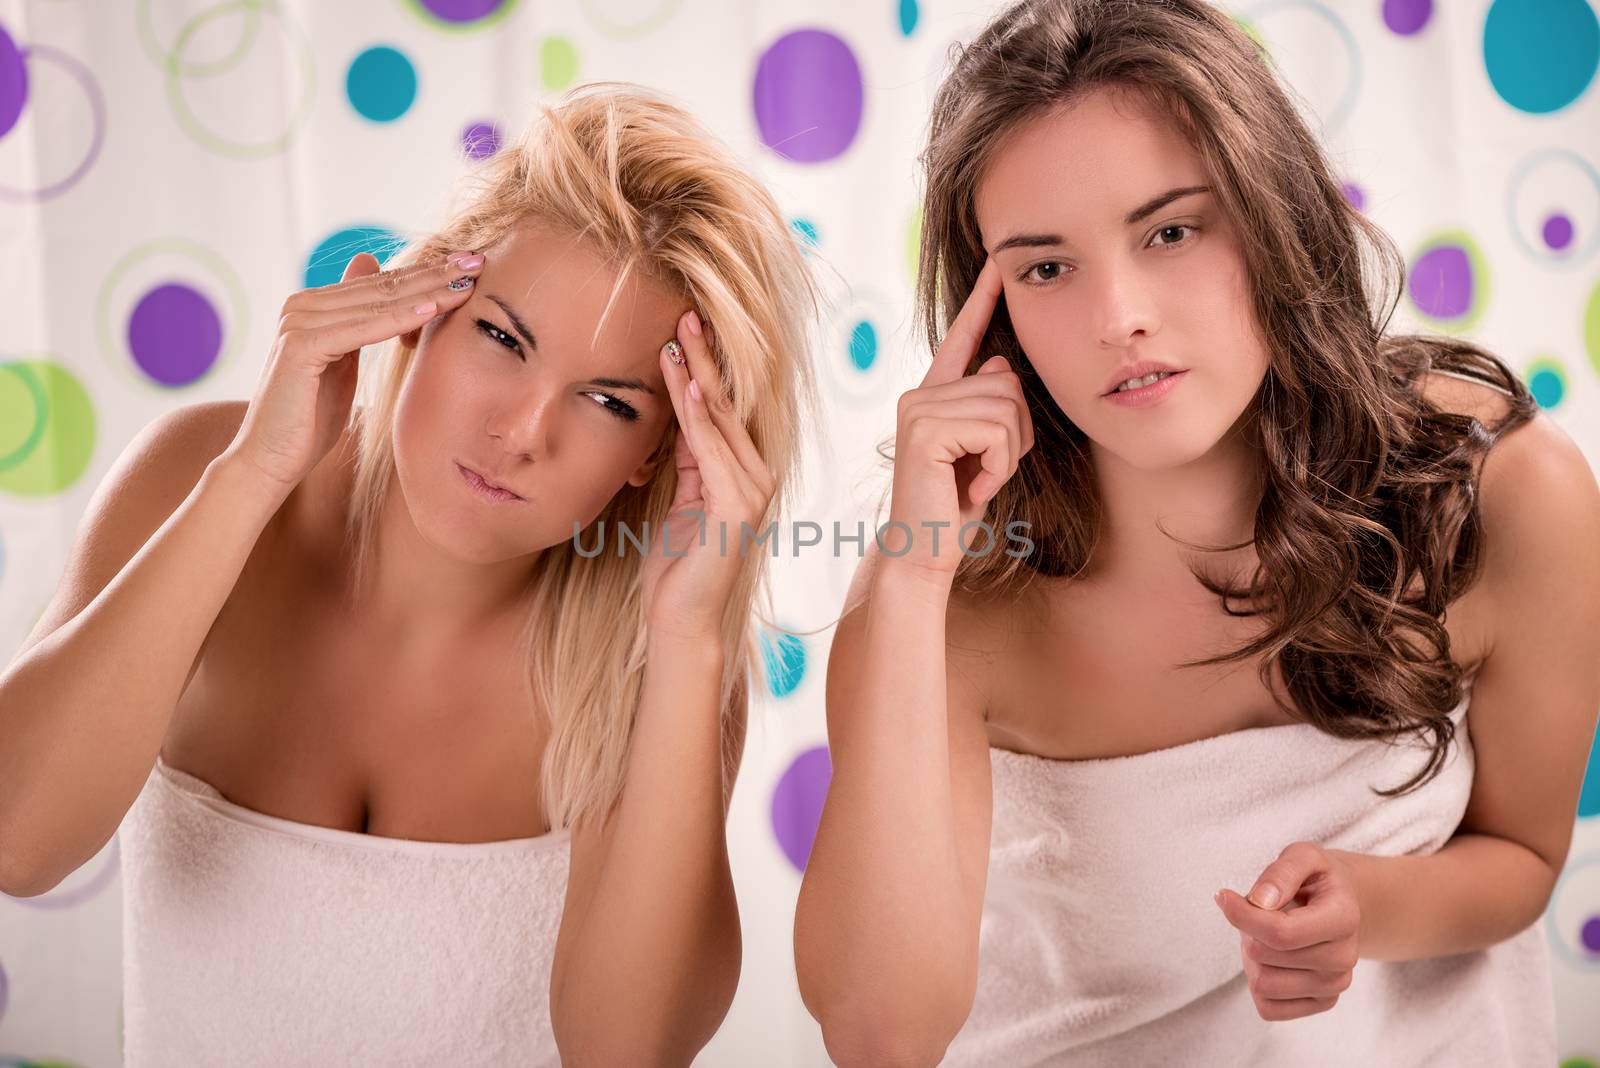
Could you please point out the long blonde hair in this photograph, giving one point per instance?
(655, 192)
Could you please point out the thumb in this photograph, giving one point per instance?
(1282, 879)
(361, 265)
(995, 364)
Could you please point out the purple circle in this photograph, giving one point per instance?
(1441, 282)
(797, 804)
(174, 334)
(808, 96)
(1406, 17)
(461, 10)
(1558, 231)
(1589, 934)
(480, 140)
(13, 82)
(1354, 195)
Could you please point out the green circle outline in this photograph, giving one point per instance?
(191, 123)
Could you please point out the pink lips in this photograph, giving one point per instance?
(1145, 396)
(483, 489)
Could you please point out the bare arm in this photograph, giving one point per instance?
(650, 920)
(886, 929)
(89, 697)
(1531, 721)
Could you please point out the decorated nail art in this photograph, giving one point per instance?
(675, 352)
(464, 282)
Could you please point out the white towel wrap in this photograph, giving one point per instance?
(254, 940)
(1100, 943)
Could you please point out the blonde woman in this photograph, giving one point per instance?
(1176, 767)
(417, 772)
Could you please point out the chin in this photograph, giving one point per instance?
(1161, 448)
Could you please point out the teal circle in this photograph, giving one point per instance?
(325, 266)
(381, 84)
(785, 661)
(863, 346)
(807, 231)
(1547, 384)
(1540, 54)
(1589, 797)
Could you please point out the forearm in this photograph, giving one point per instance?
(90, 703)
(882, 926)
(661, 932)
(1474, 892)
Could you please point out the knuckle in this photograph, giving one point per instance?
(388, 282)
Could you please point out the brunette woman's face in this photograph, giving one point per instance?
(1102, 266)
(515, 385)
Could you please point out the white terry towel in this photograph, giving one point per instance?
(254, 940)
(1100, 943)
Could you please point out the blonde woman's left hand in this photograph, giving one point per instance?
(722, 483)
(1298, 930)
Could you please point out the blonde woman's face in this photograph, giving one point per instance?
(1090, 287)
(515, 385)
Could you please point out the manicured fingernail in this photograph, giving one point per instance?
(1268, 897)
(694, 388)
(693, 322)
(674, 352)
(460, 283)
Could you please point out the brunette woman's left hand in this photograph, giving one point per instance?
(688, 582)
(1298, 957)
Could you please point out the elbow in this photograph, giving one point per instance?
(860, 1028)
(672, 1035)
(20, 876)
(873, 1018)
(23, 870)
(862, 1039)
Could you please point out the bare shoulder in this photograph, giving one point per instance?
(1538, 499)
(155, 471)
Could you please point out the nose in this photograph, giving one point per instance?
(526, 425)
(1124, 305)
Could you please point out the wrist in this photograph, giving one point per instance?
(904, 578)
(246, 483)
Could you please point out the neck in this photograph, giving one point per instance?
(1209, 501)
(417, 589)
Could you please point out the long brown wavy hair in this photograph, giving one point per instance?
(1368, 525)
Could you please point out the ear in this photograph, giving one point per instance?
(644, 472)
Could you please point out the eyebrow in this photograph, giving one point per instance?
(610, 383)
(1139, 214)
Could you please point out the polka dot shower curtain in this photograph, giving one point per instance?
(171, 169)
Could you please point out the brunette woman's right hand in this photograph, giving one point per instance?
(308, 382)
(958, 438)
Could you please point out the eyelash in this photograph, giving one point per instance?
(626, 412)
(1172, 226)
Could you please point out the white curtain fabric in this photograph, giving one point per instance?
(171, 169)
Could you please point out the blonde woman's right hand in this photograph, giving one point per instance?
(308, 382)
(958, 439)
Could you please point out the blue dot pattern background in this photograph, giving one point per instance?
(170, 171)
